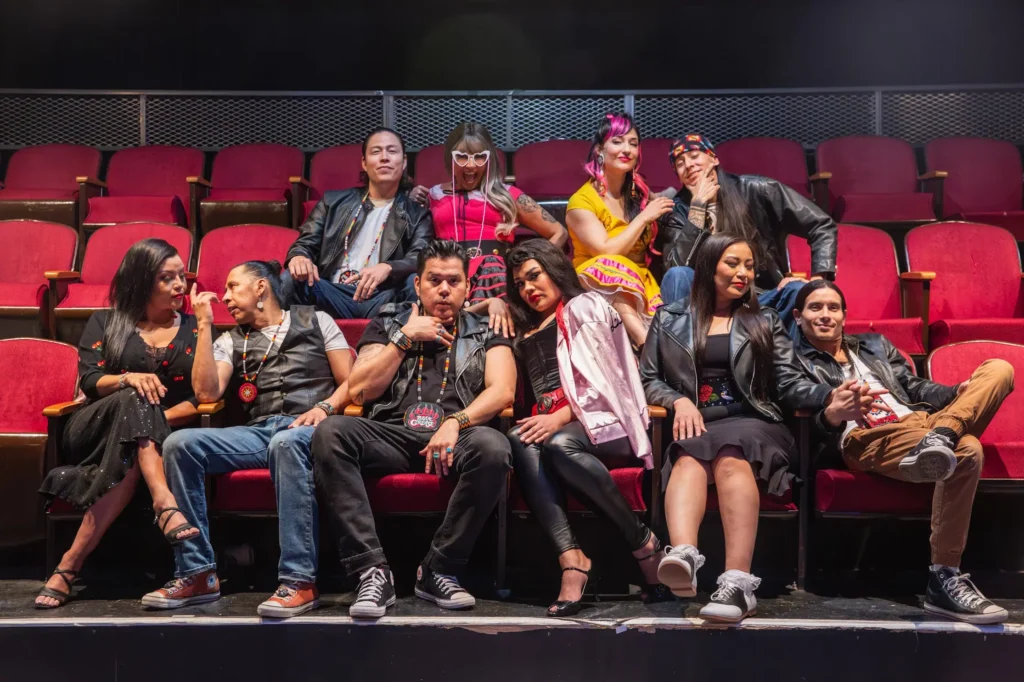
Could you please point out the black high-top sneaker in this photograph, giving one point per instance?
(734, 599)
(443, 590)
(953, 595)
(932, 459)
(678, 569)
(376, 592)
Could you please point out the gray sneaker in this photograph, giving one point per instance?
(931, 460)
(678, 570)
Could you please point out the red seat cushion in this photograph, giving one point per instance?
(905, 334)
(36, 373)
(655, 165)
(334, 168)
(111, 210)
(772, 157)
(871, 208)
(307, 208)
(1003, 460)
(353, 330)
(18, 295)
(85, 296)
(839, 490)
(152, 171)
(984, 175)
(629, 481)
(433, 166)
(953, 331)
(30, 194)
(108, 245)
(551, 169)
(246, 490)
(224, 248)
(50, 167)
(257, 194)
(1010, 220)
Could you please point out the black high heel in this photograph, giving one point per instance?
(657, 592)
(564, 608)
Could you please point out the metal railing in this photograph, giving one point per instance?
(313, 120)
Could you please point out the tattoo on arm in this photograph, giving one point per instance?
(528, 205)
(548, 218)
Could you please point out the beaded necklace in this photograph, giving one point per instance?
(345, 269)
(247, 391)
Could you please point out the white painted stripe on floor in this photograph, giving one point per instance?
(518, 624)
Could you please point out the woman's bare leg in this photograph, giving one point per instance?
(94, 524)
(686, 499)
(635, 325)
(739, 503)
(152, 466)
(573, 582)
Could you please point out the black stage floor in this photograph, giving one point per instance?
(106, 635)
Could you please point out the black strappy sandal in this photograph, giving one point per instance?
(652, 594)
(564, 608)
(61, 597)
(172, 534)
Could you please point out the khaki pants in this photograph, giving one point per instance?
(881, 449)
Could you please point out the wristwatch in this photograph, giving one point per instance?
(402, 341)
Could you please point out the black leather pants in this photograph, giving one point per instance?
(570, 462)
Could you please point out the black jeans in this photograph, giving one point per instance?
(570, 459)
(346, 449)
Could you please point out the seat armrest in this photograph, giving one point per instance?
(916, 293)
(87, 180)
(932, 182)
(61, 409)
(823, 175)
(198, 180)
(819, 190)
(298, 180)
(798, 275)
(61, 275)
(917, 276)
(300, 194)
(353, 410)
(932, 175)
(657, 411)
(210, 408)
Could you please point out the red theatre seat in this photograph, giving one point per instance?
(353, 330)
(224, 248)
(33, 248)
(251, 183)
(36, 375)
(629, 481)
(433, 167)
(331, 169)
(655, 165)
(772, 157)
(146, 184)
(552, 169)
(984, 183)
(42, 183)
(77, 295)
(874, 180)
(977, 292)
(1003, 440)
(867, 273)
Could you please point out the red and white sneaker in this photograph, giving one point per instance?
(290, 600)
(195, 589)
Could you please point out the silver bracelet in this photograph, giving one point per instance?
(121, 382)
(326, 407)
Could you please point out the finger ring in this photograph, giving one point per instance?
(437, 455)
(448, 450)
(437, 338)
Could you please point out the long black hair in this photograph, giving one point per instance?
(269, 270)
(406, 182)
(130, 291)
(557, 266)
(703, 298)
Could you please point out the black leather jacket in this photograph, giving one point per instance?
(470, 358)
(775, 209)
(886, 363)
(409, 227)
(668, 369)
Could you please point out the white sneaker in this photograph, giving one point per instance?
(734, 599)
(678, 570)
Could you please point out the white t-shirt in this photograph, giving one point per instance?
(224, 346)
(862, 373)
(363, 246)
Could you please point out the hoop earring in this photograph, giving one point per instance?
(600, 159)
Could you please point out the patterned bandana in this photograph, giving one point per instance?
(691, 143)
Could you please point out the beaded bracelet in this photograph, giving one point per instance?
(326, 407)
(461, 417)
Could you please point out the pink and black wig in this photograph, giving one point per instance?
(635, 189)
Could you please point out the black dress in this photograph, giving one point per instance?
(101, 437)
(767, 445)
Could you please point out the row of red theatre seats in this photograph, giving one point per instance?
(859, 179)
(41, 380)
(964, 280)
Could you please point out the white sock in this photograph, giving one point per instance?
(938, 567)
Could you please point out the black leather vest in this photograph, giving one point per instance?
(294, 377)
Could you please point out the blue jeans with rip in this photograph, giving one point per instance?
(190, 454)
(678, 281)
(336, 299)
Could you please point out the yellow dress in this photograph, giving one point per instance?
(614, 275)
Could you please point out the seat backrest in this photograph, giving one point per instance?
(36, 373)
(772, 157)
(33, 247)
(977, 270)
(432, 166)
(553, 168)
(868, 164)
(335, 168)
(226, 247)
(655, 165)
(256, 166)
(984, 174)
(156, 170)
(955, 362)
(866, 271)
(108, 245)
(51, 166)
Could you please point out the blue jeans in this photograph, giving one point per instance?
(678, 282)
(190, 454)
(337, 299)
